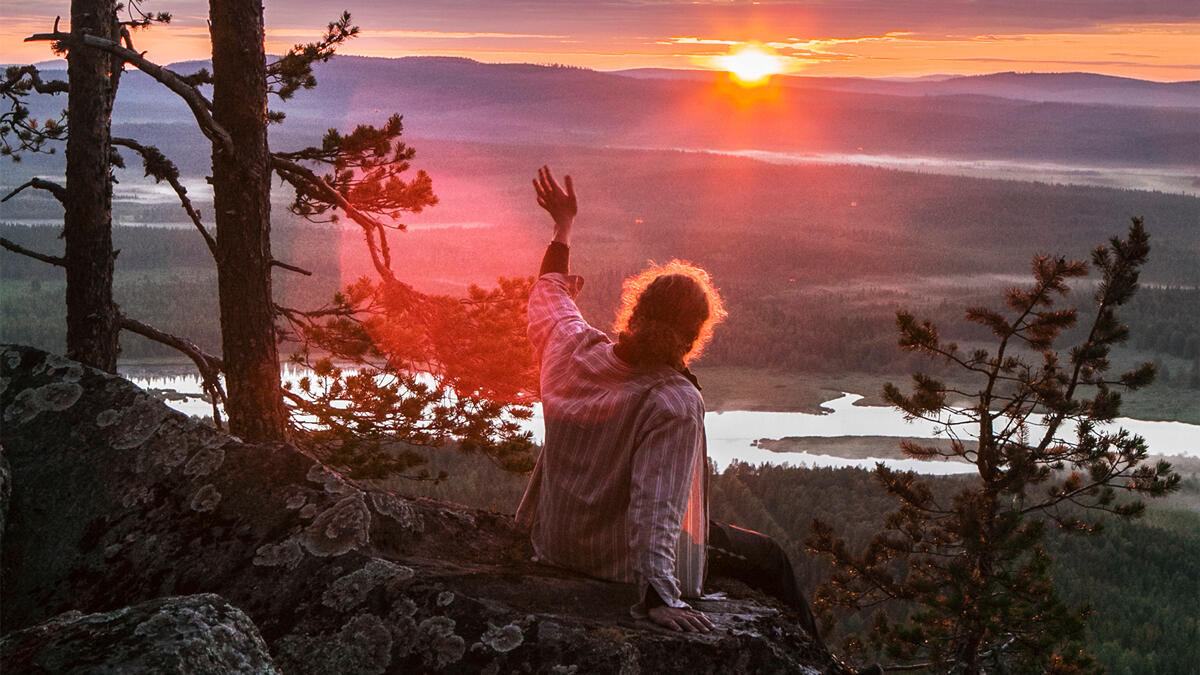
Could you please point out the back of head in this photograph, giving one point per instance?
(667, 315)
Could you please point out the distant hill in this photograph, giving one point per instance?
(1083, 88)
(461, 99)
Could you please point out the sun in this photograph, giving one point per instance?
(751, 63)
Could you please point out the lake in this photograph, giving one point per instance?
(732, 434)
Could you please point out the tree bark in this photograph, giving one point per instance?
(92, 319)
(241, 200)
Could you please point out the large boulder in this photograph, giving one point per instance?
(190, 634)
(117, 499)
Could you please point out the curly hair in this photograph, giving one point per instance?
(667, 314)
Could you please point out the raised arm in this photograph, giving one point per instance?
(552, 307)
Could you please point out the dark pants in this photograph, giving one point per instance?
(759, 562)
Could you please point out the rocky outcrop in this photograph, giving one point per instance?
(118, 500)
(191, 634)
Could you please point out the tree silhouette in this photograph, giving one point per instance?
(1036, 430)
(420, 368)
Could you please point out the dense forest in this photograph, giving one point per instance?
(835, 250)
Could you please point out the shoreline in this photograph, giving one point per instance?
(730, 389)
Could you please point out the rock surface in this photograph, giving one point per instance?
(190, 634)
(5, 493)
(118, 500)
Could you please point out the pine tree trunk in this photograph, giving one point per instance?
(92, 325)
(241, 199)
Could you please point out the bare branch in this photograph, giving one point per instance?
(291, 268)
(160, 168)
(17, 248)
(209, 366)
(195, 100)
(59, 192)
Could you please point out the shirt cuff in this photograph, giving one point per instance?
(666, 590)
(571, 283)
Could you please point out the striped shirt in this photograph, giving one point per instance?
(619, 490)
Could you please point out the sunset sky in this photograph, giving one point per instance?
(1157, 40)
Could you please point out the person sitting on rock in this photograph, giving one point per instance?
(620, 490)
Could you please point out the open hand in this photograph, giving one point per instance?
(559, 202)
(683, 619)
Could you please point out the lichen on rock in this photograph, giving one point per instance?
(399, 509)
(204, 462)
(330, 480)
(53, 397)
(437, 642)
(107, 418)
(363, 646)
(191, 634)
(139, 420)
(503, 638)
(60, 367)
(352, 589)
(339, 529)
(206, 498)
(295, 497)
(286, 553)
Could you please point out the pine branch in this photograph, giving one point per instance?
(14, 86)
(18, 82)
(293, 71)
(59, 192)
(160, 168)
(297, 314)
(196, 102)
(303, 178)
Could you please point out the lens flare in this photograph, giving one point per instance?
(751, 64)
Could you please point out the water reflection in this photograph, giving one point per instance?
(732, 434)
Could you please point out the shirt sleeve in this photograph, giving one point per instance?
(556, 259)
(552, 311)
(663, 469)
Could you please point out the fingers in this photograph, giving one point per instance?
(684, 621)
(570, 187)
(697, 622)
(553, 184)
(549, 184)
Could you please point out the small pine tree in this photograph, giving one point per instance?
(974, 566)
